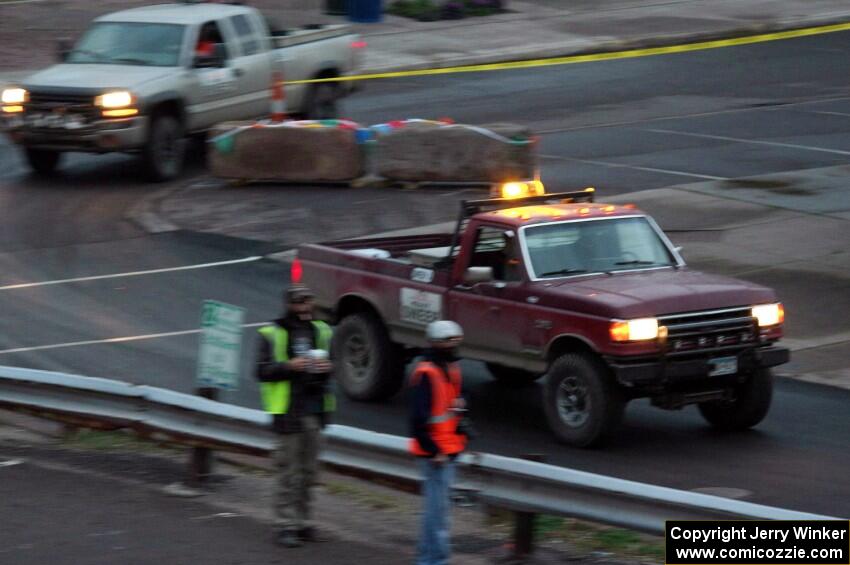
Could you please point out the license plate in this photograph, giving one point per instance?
(55, 121)
(723, 366)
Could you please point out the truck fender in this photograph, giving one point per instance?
(354, 302)
(564, 343)
(167, 97)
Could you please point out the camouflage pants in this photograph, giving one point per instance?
(296, 459)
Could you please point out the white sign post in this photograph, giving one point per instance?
(221, 346)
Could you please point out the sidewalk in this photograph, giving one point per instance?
(532, 28)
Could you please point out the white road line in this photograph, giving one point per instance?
(752, 141)
(845, 114)
(111, 340)
(636, 167)
(11, 462)
(132, 273)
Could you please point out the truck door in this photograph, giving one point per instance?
(252, 67)
(210, 89)
(492, 313)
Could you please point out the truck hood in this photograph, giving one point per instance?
(96, 77)
(650, 293)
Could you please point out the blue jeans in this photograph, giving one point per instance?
(433, 547)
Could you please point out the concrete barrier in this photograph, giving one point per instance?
(434, 152)
(255, 152)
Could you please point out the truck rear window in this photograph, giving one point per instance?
(130, 43)
(594, 246)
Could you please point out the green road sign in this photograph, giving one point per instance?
(221, 345)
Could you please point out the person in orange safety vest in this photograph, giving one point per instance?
(436, 411)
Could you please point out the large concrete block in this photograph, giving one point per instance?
(283, 153)
(428, 152)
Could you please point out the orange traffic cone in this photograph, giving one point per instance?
(278, 98)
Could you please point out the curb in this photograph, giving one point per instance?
(647, 42)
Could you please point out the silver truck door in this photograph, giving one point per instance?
(252, 67)
(211, 89)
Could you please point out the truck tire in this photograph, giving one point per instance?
(322, 101)
(583, 405)
(510, 376)
(368, 364)
(748, 408)
(43, 161)
(165, 150)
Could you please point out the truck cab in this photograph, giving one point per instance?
(592, 296)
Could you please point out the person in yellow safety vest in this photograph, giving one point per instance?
(293, 368)
(436, 411)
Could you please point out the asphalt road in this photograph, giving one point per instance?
(620, 126)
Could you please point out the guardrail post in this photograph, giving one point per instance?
(524, 524)
(200, 461)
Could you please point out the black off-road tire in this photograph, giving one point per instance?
(165, 151)
(749, 407)
(323, 101)
(368, 366)
(583, 405)
(510, 376)
(43, 162)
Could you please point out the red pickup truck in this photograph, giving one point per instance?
(593, 296)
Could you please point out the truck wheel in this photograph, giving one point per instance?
(165, 150)
(511, 376)
(368, 364)
(43, 161)
(583, 406)
(748, 408)
(322, 101)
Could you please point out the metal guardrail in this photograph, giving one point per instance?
(514, 484)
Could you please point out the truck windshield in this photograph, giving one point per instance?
(130, 43)
(594, 246)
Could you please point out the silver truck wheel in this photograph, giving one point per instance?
(165, 150)
(43, 161)
(749, 407)
(583, 405)
(323, 101)
(510, 376)
(368, 366)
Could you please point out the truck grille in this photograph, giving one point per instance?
(709, 331)
(62, 104)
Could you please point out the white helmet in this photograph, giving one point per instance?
(443, 330)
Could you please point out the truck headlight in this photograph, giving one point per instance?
(117, 99)
(15, 96)
(769, 314)
(641, 329)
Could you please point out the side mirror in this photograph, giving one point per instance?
(475, 275)
(678, 249)
(63, 49)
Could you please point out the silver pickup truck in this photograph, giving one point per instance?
(143, 80)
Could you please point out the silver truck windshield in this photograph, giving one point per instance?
(130, 43)
(594, 246)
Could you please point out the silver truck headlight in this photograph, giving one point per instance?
(15, 96)
(117, 99)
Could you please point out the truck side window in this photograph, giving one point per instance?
(247, 35)
(208, 38)
(498, 249)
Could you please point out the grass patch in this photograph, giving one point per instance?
(374, 500)
(96, 440)
(587, 537)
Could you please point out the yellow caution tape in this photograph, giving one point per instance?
(573, 59)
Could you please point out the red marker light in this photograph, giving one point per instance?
(359, 44)
(296, 271)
